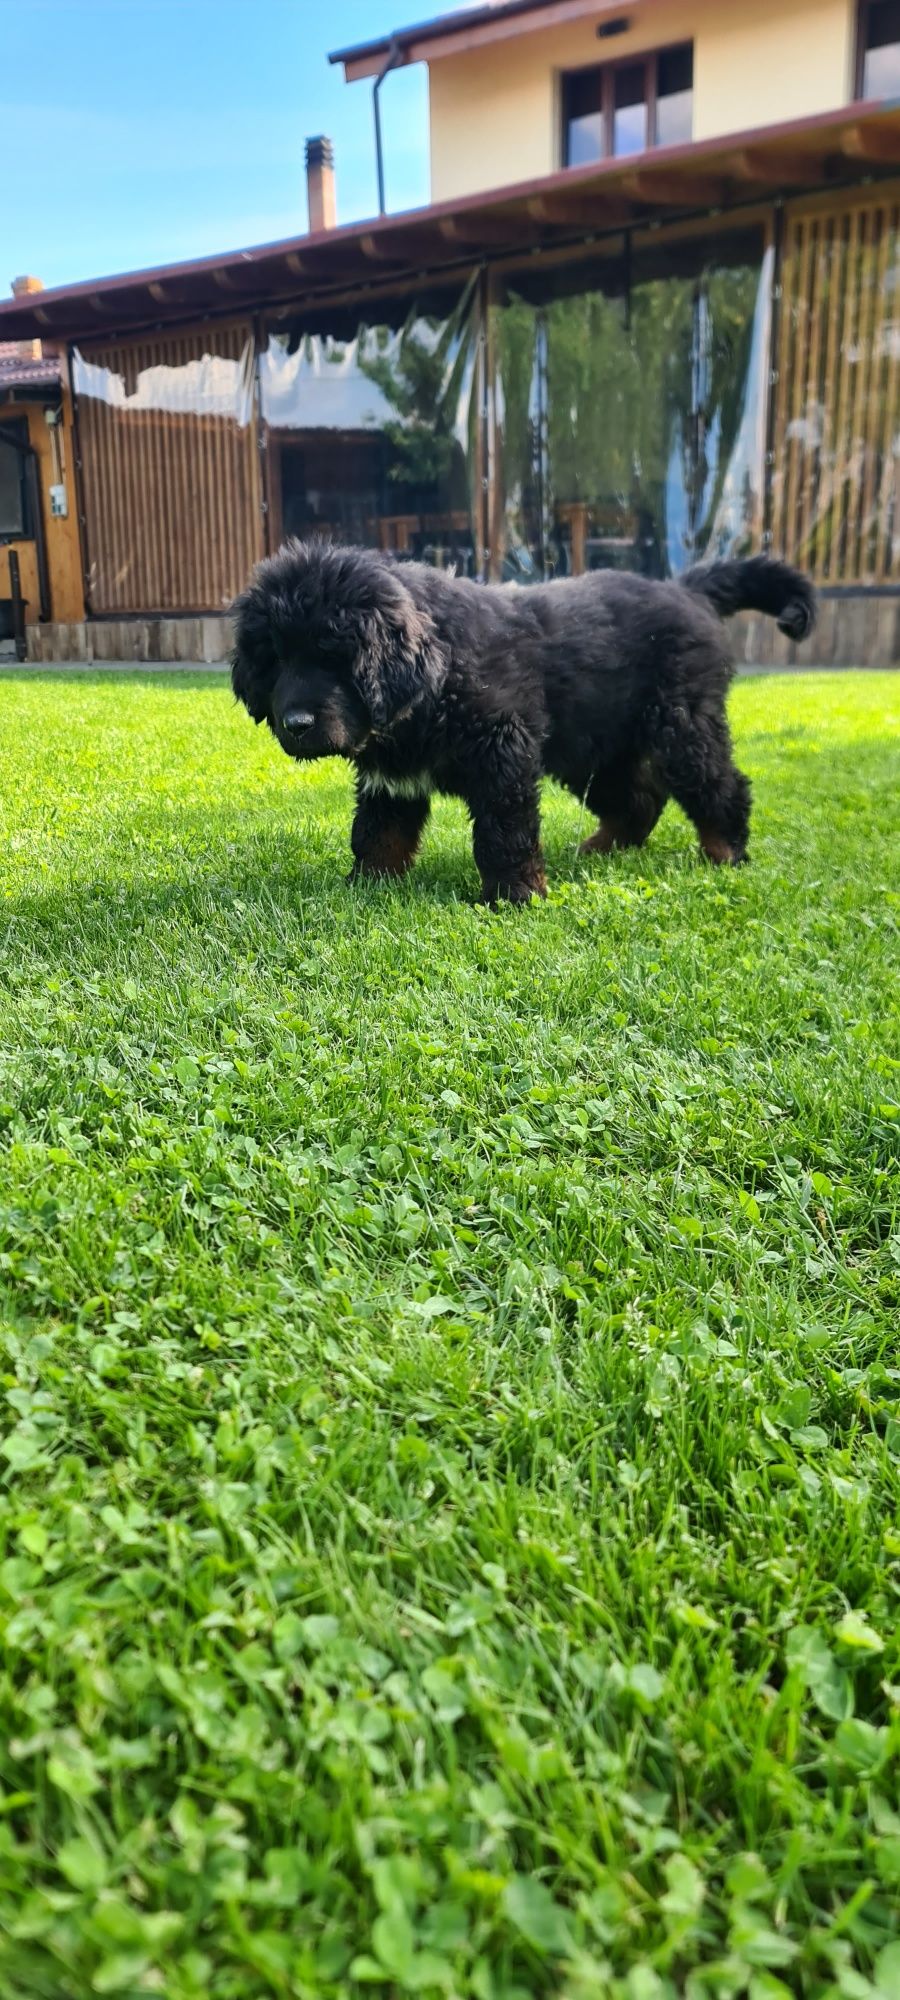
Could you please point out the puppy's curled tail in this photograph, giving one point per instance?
(759, 584)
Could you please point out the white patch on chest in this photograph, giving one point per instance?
(418, 786)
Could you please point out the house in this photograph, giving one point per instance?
(650, 316)
(520, 88)
(40, 563)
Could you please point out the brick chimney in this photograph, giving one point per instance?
(30, 350)
(320, 184)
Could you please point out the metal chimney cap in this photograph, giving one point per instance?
(319, 152)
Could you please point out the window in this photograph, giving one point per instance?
(879, 49)
(14, 523)
(675, 96)
(629, 122)
(617, 109)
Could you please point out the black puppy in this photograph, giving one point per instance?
(428, 682)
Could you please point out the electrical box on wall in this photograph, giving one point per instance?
(59, 506)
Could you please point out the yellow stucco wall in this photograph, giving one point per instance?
(495, 111)
(63, 549)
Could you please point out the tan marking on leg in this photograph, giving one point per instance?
(536, 879)
(714, 845)
(391, 854)
(603, 841)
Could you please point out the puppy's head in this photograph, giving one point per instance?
(330, 648)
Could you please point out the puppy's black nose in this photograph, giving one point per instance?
(297, 721)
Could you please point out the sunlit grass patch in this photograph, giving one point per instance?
(451, 1508)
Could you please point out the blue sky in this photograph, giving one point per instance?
(141, 132)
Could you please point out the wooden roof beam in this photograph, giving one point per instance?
(376, 249)
(878, 144)
(57, 315)
(762, 168)
(402, 252)
(587, 212)
(238, 286)
(485, 232)
(168, 294)
(675, 190)
(126, 304)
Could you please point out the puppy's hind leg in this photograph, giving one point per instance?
(627, 803)
(695, 755)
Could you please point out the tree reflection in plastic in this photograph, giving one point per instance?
(372, 429)
(629, 402)
(624, 405)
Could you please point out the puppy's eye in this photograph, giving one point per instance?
(335, 633)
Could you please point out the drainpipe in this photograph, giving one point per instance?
(394, 56)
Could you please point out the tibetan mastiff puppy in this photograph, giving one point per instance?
(427, 682)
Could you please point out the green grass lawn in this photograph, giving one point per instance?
(450, 1505)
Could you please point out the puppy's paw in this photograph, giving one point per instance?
(721, 853)
(387, 868)
(524, 890)
(601, 842)
(362, 871)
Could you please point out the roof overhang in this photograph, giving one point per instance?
(29, 380)
(715, 174)
(472, 28)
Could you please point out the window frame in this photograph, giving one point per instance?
(863, 11)
(26, 532)
(649, 61)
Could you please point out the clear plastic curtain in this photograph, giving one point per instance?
(372, 430)
(630, 411)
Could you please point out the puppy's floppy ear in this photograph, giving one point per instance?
(253, 660)
(397, 656)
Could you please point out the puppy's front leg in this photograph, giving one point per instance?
(506, 829)
(386, 832)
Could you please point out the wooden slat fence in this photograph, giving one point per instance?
(836, 475)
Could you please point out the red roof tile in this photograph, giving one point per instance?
(18, 371)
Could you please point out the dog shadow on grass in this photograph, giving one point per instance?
(235, 875)
(251, 865)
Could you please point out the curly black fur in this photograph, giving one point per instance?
(427, 682)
